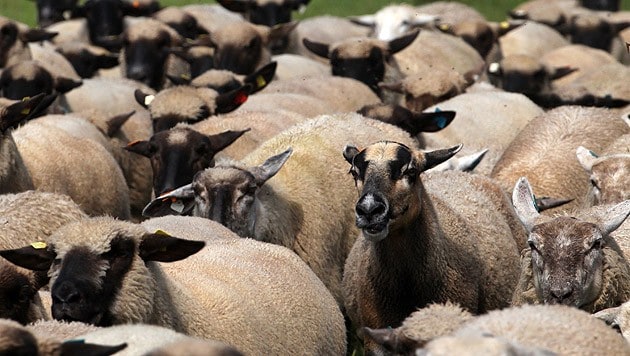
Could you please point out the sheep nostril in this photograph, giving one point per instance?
(67, 294)
(561, 294)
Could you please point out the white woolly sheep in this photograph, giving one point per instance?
(544, 151)
(542, 330)
(447, 235)
(256, 198)
(202, 296)
(572, 258)
(394, 21)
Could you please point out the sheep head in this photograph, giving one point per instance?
(567, 252)
(386, 175)
(265, 12)
(610, 176)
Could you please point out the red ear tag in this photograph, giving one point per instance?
(136, 4)
(240, 98)
(131, 144)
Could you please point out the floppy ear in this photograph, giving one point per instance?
(281, 31)
(349, 152)
(545, 203)
(231, 100)
(36, 257)
(178, 80)
(318, 48)
(433, 158)
(365, 20)
(80, 348)
(143, 99)
(180, 201)
(16, 113)
(560, 72)
(259, 79)
(400, 43)
(163, 248)
(220, 141)
(525, 203)
(108, 60)
(270, 167)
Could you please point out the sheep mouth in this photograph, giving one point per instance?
(68, 315)
(376, 232)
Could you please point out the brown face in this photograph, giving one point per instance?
(16, 293)
(610, 180)
(385, 174)
(567, 261)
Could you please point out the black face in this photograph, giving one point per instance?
(601, 5)
(270, 14)
(187, 28)
(16, 294)
(370, 70)
(17, 89)
(200, 64)
(86, 64)
(146, 60)
(80, 292)
(105, 22)
(240, 60)
(528, 84)
(599, 38)
(51, 11)
(8, 36)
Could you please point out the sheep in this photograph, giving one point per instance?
(266, 12)
(436, 232)
(531, 330)
(50, 11)
(256, 198)
(47, 56)
(572, 259)
(608, 172)
(29, 217)
(394, 21)
(181, 21)
(450, 11)
(532, 38)
(420, 327)
(599, 86)
(296, 66)
(15, 339)
(582, 58)
(107, 193)
(476, 130)
(202, 296)
(554, 14)
(544, 151)
(59, 330)
(617, 318)
(224, 81)
(15, 39)
(87, 60)
(212, 17)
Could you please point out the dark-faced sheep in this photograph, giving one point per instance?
(120, 282)
(572, 259)
(265, 12)
(423, 232)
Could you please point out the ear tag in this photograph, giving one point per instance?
(593, 153)
(148, 99)
(302, 9)
(444, 27)
(437, 109)
(177, 206)
(131, 144)
(441, 122)
(67, 14)
(504, 25)
(494, 67)
(240, 98)
(38, 245)
(534, 203)
(161, 232)
(260, 81)
(25, 111)
(136, 4)
(183, 76)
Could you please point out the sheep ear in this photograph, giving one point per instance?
(614, 217)
(560, 72)
(178, 80)
(423, 19)
(116, 122)
(349, 152)
(525, 203)
(161, 247)
(586, 158)
(365, 20)
(433, 158)
(545, 203)
(14, 114)
(464, 164)
(261, 78)
(281, 31)
(180, 201)
(609, 315)
(37, 35)
(109, 60)
(270, 167)
(143, 99)
(400, 43)
(80, 348)
(318, 48)
(140, 147)
(64, 85)
(231, 100)
(220, 141)
(35, 257)
(432, 121)
(235, 5)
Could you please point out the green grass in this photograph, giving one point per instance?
(24, 10)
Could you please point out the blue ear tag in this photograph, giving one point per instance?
(437, 109)
(534, 203)
(592, 153)
(441, 122)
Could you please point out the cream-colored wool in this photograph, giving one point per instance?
(184, 101)
(532, 39)
(19, 51)
(260, 298)
(14, 176)
(583, 58)
(544, 152)
(189, 227)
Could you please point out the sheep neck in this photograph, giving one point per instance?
(14, 176)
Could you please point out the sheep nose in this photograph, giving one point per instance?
(66, 293)
(136, 73)
(371, 206)
(561, 293)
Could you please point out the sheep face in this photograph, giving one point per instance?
(610, 176)
(567, 261)
(387, 177)
(51, 11)
(104, 21)
(602, 5)
(25, 79)
(180, 21)
(145, 58)
(238, 48)
(177, 155)
(265, 12)
(519, 74)
(100, 269)
(86, 60)
(16, 293)
(8, 38)
(592, 31)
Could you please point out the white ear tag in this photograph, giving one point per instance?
(178, 206)
(302, 9)
(67, 14)
(148, 99)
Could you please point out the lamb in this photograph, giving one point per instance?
(532, 38)
(29, 217)
(600, 86)
(526, 330)
(435, 233)
(202, 296)
(256, 198)
(572, 259)
(15, 339)
(265, 12)
(608, 173)
(548, 161)
(212, 17)
(420, 327)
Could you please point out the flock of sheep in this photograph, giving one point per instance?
(221, 180)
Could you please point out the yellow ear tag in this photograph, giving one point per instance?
(38, 245)
(148, 99)
(185, 76)
(504, 24)
(444, 27)
(260, 81)
(161, 232)
(25, 111)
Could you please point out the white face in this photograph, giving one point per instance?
(392, 22)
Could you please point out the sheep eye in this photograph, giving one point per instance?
(410, 172)
(594, 183)
(597, 244)
(532, 246)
